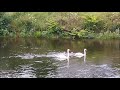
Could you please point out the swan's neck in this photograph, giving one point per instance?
(84, 53)
(84, 58)
(68, 54)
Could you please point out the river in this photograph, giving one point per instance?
(36, 58)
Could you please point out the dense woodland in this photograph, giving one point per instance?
(75, 25)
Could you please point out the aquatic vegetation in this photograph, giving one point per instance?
(109, 35)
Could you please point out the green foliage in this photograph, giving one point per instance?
(93, 24)
(85, 34)
(103, 25)
(53, 28)
(109, 35)
(5, 27)
(38, 34)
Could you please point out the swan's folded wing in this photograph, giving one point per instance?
(79, 55)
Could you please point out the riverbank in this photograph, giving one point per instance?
(75, 25)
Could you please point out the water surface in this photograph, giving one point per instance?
(36, 58)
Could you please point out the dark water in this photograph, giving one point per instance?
(35, 58)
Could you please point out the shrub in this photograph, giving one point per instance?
(85, 34)
(38, 34)
(108, 35)
(93, 24)
(54, 28)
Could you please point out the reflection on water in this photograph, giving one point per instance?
(39, 58)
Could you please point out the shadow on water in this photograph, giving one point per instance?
(33, 58)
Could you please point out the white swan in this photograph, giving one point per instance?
(63, 56)
(79, 54)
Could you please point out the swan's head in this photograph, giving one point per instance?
(68, 50)
(85, 50)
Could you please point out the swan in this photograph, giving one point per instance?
(79, 54)
(63, 56)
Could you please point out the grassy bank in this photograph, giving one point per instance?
(98, 25)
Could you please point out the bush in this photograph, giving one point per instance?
(93, 24)
(54, 28)
(108, 35)
(60, 24)
(5, 27)
(85, 34)
(38, 34)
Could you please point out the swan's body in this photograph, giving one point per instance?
(63, 56)
(79, 54)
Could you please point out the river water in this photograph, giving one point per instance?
(36, 58)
